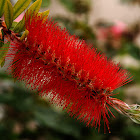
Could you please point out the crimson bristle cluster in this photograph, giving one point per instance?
(66, 69)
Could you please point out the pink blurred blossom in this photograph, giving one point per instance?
(118, 29)
(19, 18)
(115, 31)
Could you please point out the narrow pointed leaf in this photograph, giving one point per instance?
(1, 38)
(45, 3)
(45, 13)
(13, 25)
(3, 62)
(8, 14)
(34, 8)
(20, 6)
(2, 5)
(3, 52)
(24, 35)
(20, 26)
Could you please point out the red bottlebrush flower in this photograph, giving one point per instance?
(68, 70)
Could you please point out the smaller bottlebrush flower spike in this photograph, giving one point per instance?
(73, 75)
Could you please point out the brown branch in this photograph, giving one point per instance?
(7, 32)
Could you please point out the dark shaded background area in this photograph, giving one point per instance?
(26, 116)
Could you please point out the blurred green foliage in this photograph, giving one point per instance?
(77, 6)
(131, 1)
(26, 116)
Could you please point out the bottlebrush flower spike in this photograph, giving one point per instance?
(60, 65)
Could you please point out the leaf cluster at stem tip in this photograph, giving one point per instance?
(11, 12)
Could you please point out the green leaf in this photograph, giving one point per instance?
(1, 38)
(20, 26)
(24, 35)
(45, 13)
(3, 62)
(8, 14)
(2, 5)
(3, 52)
(34, 8)
(20, 6)
(13, 25)
(45, 3)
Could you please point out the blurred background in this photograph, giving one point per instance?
(111, 26)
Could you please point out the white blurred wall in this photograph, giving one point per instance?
(112, 10)
(109, 10)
